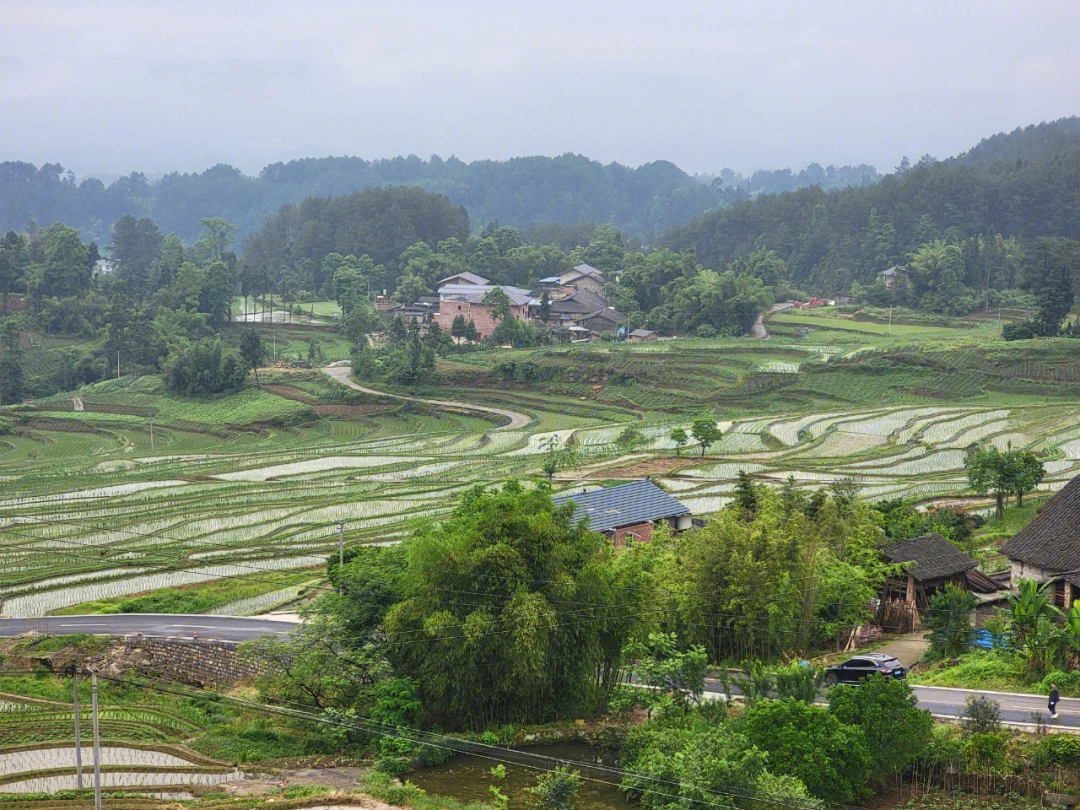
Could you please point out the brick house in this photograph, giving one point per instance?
(463, 296)
(628, 513)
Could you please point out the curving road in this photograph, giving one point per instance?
(517, 420)
(219, 628)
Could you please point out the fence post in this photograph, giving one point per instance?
(97, 741)
(78, 736)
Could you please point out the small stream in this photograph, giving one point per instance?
(467, 777)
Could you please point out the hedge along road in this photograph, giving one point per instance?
(341, 374)
(159, 625)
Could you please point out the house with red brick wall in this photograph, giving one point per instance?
(628, 513)
(466, 298)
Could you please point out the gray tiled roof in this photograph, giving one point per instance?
(1052, 540)
(930, 556)
(623, 505)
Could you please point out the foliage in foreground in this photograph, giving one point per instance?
(507, 652)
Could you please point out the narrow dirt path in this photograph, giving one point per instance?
(517, 420)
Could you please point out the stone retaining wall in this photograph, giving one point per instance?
(192, 661)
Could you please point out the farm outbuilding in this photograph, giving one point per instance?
(929, 563)
(628, 513)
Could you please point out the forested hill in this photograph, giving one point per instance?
(641, 202)
(1025, 184)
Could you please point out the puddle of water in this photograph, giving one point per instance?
(467, 777)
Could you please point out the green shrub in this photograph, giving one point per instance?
(984, 752)
(981, 715)
(393, 766)
(378, 785)
(305, 791)
(431, 755)
(1059, 749)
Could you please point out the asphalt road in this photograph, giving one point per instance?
(948, 704)
(1016, 710)
(222, 628)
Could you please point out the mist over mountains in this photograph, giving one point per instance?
(643, 201)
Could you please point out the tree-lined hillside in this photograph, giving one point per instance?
(565, 189)
(1023, 185)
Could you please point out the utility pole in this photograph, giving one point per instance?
(97, 740)
(890, 319)
(78, 736)
(341, 543)
(151, 433)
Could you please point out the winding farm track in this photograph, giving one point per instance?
(517, 420)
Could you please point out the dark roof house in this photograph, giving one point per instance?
(1048, 548)
(628, 511)
(929, 563)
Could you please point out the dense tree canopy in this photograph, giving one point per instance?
(510, 651)
(1021, 185)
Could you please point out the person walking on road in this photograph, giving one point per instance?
(1054, 698)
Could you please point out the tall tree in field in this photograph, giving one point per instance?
(706, 432)
(1050, 269)
(11, 370)
(215, 297)
(1027, 473)
(66, 273)
(679, 437)
(252, 350)
(219, 237)
(990, 470)
(136, 246)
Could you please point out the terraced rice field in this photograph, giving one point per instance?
(89, 510)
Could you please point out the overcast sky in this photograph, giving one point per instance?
(109, 87)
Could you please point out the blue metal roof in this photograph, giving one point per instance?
(623, 505)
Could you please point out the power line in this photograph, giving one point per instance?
(440, 741)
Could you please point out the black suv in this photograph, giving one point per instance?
(863, 666)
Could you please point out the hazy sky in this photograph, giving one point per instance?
(106, 87)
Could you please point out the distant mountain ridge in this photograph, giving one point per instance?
(642, 202)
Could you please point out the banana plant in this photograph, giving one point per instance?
(1069, 635)
(1031, 603)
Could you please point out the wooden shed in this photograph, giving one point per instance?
(929, 563)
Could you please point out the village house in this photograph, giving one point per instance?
(896, 278)
(628, 513)
(643, 335)
(1047, 550)
(464, 294)
(586, 310)
(929, 563)
(582, 277)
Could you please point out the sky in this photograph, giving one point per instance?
(110, 87)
